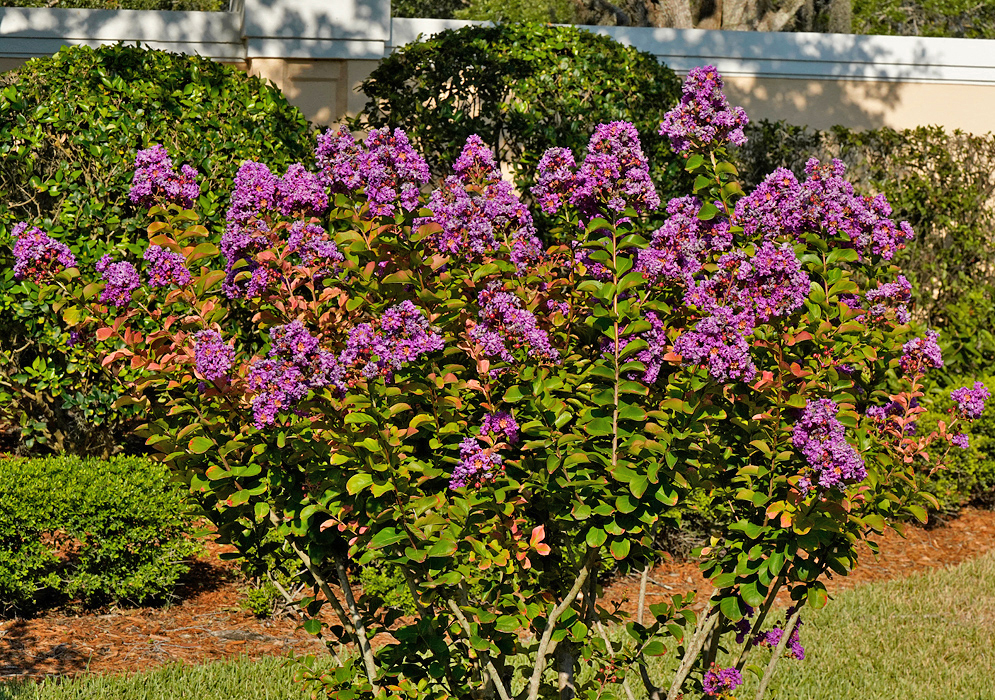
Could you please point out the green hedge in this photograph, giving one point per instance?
(944, 185)
(90, 530)
(70, 126)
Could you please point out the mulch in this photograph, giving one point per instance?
(207, 621)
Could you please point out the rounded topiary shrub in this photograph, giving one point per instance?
(523, 88)
(70, 127)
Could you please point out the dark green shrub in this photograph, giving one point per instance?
(970, 474)
(523, 88)
(944, 185)
(70, 126)
(90, 530)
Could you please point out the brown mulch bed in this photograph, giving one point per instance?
(207, 622)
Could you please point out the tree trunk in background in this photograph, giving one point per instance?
(674, 13)
(840, 17)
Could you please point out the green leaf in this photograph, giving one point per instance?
(358, 482)
(620, 549)
(312, 625)
(730, 608)
(596, 537)
(200, 444)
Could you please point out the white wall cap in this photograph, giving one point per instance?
(256, 47)
(318, 19)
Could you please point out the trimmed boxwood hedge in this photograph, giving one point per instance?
(90, 530)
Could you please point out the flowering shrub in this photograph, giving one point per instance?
(504, 421)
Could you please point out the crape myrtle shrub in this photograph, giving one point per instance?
(95, 531)
(502, 421)
(944, 185)
(69, 129)
(523, 88)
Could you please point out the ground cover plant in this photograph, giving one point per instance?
(375, 375)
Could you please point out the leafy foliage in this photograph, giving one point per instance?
(502, 423)
(69, 129)
(950, 18)
(171, 5)
(523, 88)
(943, 184)
(92, 530)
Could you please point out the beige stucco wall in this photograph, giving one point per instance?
(325, 90)
(865, 104)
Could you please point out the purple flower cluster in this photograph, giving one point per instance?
(478, 211)
(703, 119)
(772, 638)
(164, 267)
(921, 354)
(657, 346)
(500, 424)
(895, 294)
(212, 355)
(960, 440)
(680, 247)
(295, 365)
(36, 254)
(832, 206)
(311, 243)
(774, 209)
(720, 682)
(971, 402)
(503, 321)
(337, 156)
(885, 414)
(478, 464)
(121, 281)
(613, 176)
(402, 335)
(156, 182)
(392, 171)
(821, 439)
(719, 341)
(301, 193)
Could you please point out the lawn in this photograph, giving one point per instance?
(926, 637)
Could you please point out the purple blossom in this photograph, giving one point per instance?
(719, 341)
(296, 364)
(821, 438)
(155, 181)
(921, 354)
(774, 209)
(657, 346)
(703, 120)
(300, 193)
(721, 681)
(832, 207)
(504, 320)
(971, 402)
(500, 424)
(164, 267)
(477, 465)
(773, 637)
(212, 356)
(337, 156)
(311, 244)
(477, 212)
(403, 334)
(392, 171)
(680, 247)
(255, 191)
(960, 440)
(121, 280)
(895, 295)
(556, 179)
(615, 173)
(37, 255)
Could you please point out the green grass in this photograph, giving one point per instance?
(268, 679)
(928, 637)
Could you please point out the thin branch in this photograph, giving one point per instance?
(608, 644)
(547, 634)
(758, 625)
(643, 580)
(495, 676)
(357, 621)
(708, 619)
(772, 664)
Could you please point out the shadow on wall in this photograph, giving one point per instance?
(804, 78)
